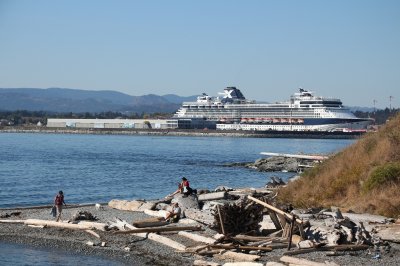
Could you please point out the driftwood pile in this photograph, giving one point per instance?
(237, 218)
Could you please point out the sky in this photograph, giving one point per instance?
(268, 49)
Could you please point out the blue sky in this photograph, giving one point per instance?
(345, 49)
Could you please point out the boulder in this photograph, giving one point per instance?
(147, 206)
(189, 202)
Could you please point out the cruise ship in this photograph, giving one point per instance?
(302, 112)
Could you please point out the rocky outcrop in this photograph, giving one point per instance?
(274, 164)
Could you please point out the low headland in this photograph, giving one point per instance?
(364, 177)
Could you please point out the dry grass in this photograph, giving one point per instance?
(364, 177)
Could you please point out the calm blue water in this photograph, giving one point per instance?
(98, 168)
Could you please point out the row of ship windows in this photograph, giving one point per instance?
(279, 107)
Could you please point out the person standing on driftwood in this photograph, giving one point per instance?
(58, 202)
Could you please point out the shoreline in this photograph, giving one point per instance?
(130, 249)
(187, 132)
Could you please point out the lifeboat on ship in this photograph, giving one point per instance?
(267, 120)
(276, 120)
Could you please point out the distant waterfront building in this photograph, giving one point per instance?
(112, 123)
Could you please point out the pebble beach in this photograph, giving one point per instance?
(133, 250)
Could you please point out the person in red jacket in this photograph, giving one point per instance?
(58, 202)
(183, 188)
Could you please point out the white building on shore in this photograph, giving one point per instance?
(112, 123)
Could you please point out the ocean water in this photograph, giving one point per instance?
(98, 168)
(17, 254)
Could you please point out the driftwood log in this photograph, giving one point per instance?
(123, 225)
(298, 261)
(160, 229)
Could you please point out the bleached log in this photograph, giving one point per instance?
(160, 213)
(166, 241)
(197, 237)
(150, 222)
(252, 238)
(93, 233)
(389, 232)
(195, 249)
(36, 226)
(240, 247)
(188, 221)
(160, 239)
(212, 196)
(12, 221)
(160, 229)
(243, 264)
(270, 207)
(239, 256)
(205, 263)
(298, 261)
(327, 248)
(98, 226)
(273, 263)
(56, 224)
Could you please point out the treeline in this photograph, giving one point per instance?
(380, 116)
(23, 117)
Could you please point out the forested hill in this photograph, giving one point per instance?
(78, 101)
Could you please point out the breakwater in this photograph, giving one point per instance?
(189, 132)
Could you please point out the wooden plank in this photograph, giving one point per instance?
(220, 220)
(275, 220)
(291, 233)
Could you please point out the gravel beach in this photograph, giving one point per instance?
(144, 251)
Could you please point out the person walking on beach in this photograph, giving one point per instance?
(58, 202)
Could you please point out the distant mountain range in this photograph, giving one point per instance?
(78, 101)
(62, 100)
